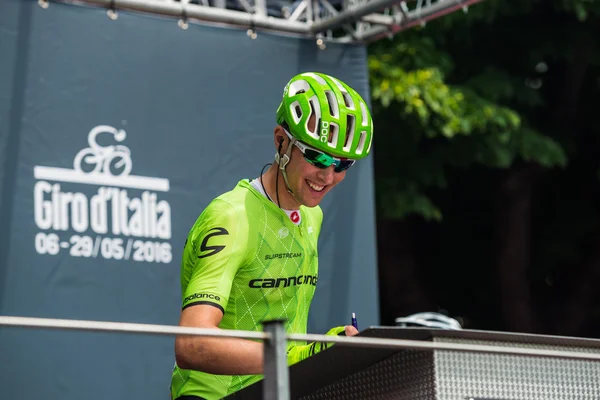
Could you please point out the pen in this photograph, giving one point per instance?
(354, 323)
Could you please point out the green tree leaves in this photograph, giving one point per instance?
(428, 119)
(582, 9)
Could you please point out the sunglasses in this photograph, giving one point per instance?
(322, 160)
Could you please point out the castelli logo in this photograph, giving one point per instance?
(295, 217)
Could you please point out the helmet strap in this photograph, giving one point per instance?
(283, 162)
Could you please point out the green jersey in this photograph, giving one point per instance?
(254, 262)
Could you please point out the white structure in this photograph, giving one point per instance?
(347, 21)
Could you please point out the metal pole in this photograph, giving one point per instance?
(370, 7)
(382, 343)
(104, 326)
(353, 14)
(210, 14)
(370, 342)
(276, 385)
(260, 7)
(220, 4)
(415, 17)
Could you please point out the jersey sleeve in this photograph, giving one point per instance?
(319, 218)
(216, 248)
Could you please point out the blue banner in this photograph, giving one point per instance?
(114, 135)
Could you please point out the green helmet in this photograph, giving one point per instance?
(344, 126)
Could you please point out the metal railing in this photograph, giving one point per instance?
(276, 377)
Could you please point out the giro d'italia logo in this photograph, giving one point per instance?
(113, 214)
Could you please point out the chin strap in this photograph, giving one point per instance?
(283, 162)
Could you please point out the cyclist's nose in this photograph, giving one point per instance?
(327, 175)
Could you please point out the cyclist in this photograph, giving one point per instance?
(251, 255)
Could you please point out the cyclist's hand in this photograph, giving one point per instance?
(299, 353)
(347, 330)
(350, 330)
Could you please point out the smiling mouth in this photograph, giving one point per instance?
(314, 186)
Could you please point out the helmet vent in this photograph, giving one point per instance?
(298, 87)
(361, 142)
(348, 100)
(296, 111)
(365, 118)
(333, 134)
(349, 132)
(333, 105)
(338, 84)
(316, 77)
(316, 111)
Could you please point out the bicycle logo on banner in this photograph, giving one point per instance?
(112, 160)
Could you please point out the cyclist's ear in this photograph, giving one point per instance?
(279, 139)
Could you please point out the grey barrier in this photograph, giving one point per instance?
(276, 380)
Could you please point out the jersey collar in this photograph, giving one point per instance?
(294, 215)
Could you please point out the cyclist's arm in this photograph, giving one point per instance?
(217, 247)
(226, 356)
